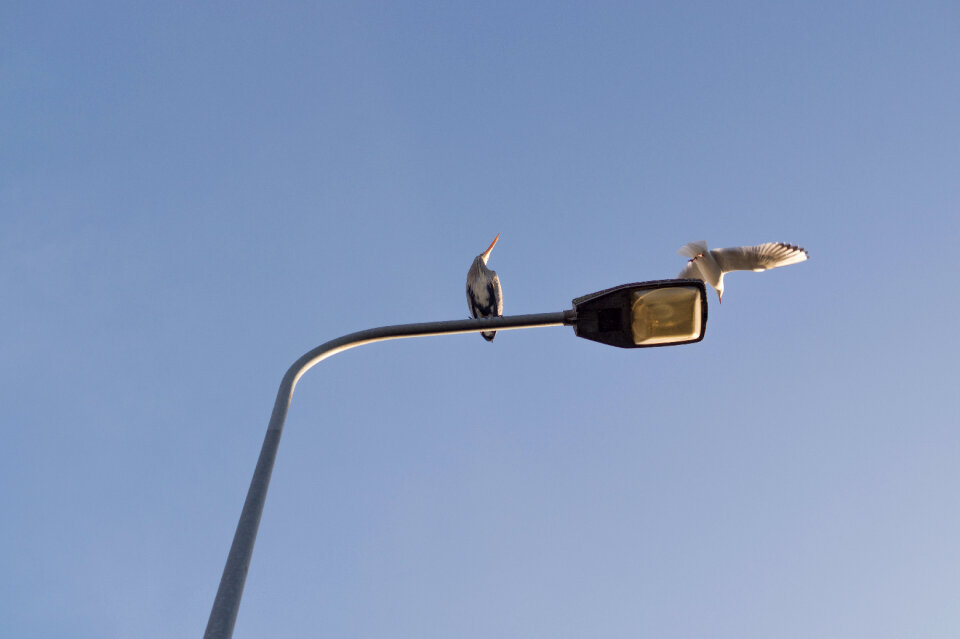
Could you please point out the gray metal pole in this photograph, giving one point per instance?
(223, 616)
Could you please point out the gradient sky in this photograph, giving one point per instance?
(193, 195)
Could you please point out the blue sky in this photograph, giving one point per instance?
(193, 196)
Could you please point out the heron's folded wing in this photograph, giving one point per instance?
(496, 293)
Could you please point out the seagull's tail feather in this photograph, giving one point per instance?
(489, 335)
(693, 249)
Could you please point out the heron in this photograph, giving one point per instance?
(710, 265)
(484, 296)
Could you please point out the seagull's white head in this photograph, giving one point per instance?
(486, 254)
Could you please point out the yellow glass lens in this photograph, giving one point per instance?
(666, 315)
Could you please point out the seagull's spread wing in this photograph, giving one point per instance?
(760, 257)
(693, 249)
(692, 270)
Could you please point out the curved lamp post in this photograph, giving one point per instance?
(657, 313)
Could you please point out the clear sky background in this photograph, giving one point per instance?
(191, 196)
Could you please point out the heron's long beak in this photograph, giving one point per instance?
(486, 254)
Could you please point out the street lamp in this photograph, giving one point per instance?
(657, 313)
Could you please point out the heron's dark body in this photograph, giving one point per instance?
(484, 296)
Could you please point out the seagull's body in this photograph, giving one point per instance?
(484, 296)
(710, 266)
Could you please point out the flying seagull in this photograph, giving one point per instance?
(483, 289)
(710, 266)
